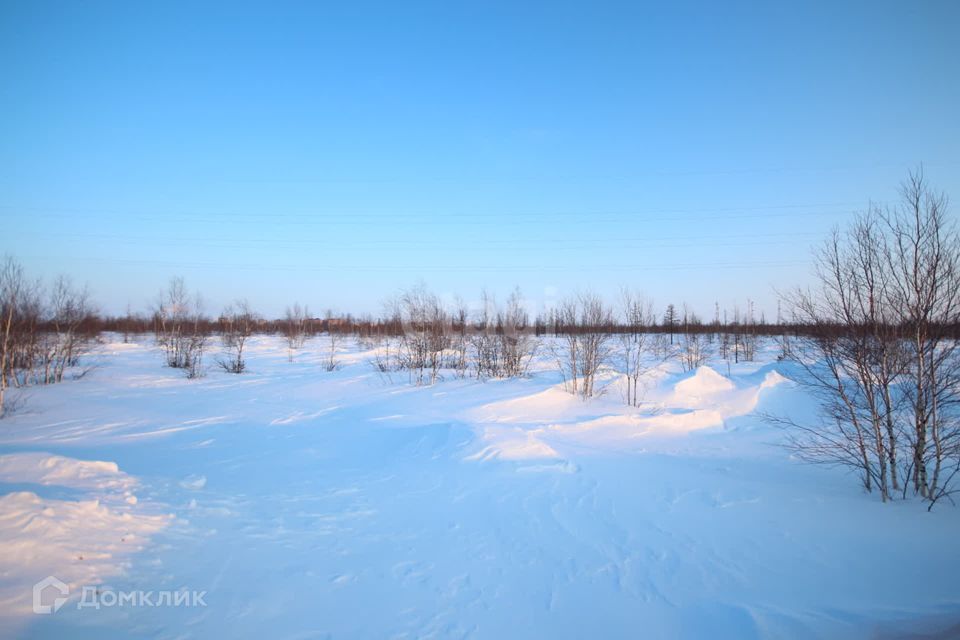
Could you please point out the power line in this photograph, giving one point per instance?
(712, 266)
(346, 217)
(727, 240)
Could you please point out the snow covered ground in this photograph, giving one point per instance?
(315, 504)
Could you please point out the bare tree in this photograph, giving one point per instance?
(924, 256)
(670, 320)
(586, 324)
(128, 321)
(181, 328)
(567, 352)
(41, 336)
(516, 344)
(424, 334)
(879, 348)
(749, 337)
(694, 348)
(460, 342)
(237, 323)
(65, 340)
(294, 327)
(13, 289)
(852, 357)
(387, 354)
(636, 342)
(29, 343)
(331, 363)
(483, 338)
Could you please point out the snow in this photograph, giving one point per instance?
(309, 503)
(705, 382)
(82, 540)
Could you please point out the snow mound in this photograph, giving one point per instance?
(704, 382)
(555, 424)
(550, 404)
(513, 443)
(47, 469)
(81, 541)
(772, 379)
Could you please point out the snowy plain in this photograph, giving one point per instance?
(316, 504)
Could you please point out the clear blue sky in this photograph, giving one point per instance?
(333, 153)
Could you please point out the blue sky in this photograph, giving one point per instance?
(334, 153)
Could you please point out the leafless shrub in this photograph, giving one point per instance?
(295, 327)
(40, 336)
(331, 363)
(694, 348)
(586, 324)
(14, 292)
(460, 342)
(237, 323)
(65, 341)
(424, 338)
(694, 351)
(516, 343)
(181, 328)
(385, 361)
(502, 340)
(483, 339)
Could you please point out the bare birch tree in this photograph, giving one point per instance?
(13, 288)
(924, 256)
(181, 328)
(879, 348)
(237, 323)
(424, 334)
(585, 322)
(636, 342)
(294, 327)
